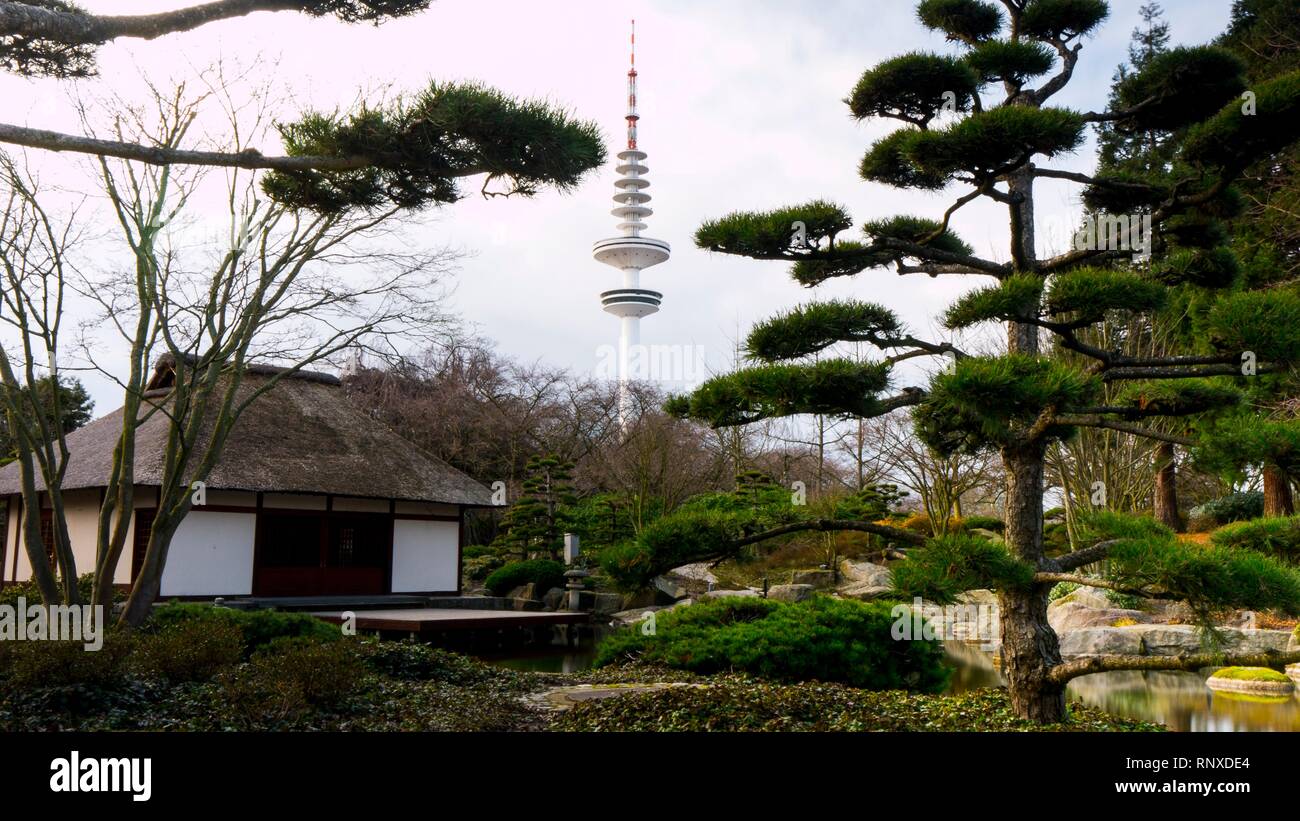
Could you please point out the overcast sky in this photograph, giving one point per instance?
(741, 105)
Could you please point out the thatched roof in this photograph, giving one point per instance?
(303, 436)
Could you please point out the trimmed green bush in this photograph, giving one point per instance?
(544, 573)
(259, 627)
(411, 660)
(478, 568)
(1278, 537)
(823, 639)
(194, 650)
(56, 664)
(27, 590)
(325, 673)
(289, 679)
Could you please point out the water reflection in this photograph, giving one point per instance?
(1180, 701)
(543, 659)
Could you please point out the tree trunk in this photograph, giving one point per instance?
(1166, 492)
(1277, 493)
(148, 584)
(1029, 645)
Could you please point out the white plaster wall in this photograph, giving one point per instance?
(425, 556)
(81, 507)
(11, 534)
(211, 555)
(82, 510)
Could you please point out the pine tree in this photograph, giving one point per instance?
(72, 405)
(1137, 151)
(1145, 153)
(536, 524)
(1021, 54)
(1265, 35)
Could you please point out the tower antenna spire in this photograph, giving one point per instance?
(630, 252)
(632, 116)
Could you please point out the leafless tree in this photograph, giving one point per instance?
(34, 249)
(944, 485)
(276, 286)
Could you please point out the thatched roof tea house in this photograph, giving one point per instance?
(311, 496)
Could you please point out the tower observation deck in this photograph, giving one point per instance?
(631, 251)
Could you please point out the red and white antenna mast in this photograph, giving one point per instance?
(632, 116)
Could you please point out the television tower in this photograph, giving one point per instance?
(631, 252)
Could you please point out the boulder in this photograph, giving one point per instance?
(524, 604)
(1167, 639)
(642, 598)
(606, 604)
(669, 589)
(1164, 640)
(791, 592)
(1170, 612)
(1293, 670)
(864, 572)
(864, 591)
(554, 598)
(698, 572)
(722, 594)
(1073, 616)
(1101, 641)
(1172, 639)
(820, 579)
(527, 591)
(624, 618)
(1258, 641)
(1086, 596)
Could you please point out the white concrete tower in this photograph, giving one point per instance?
(631, 252)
